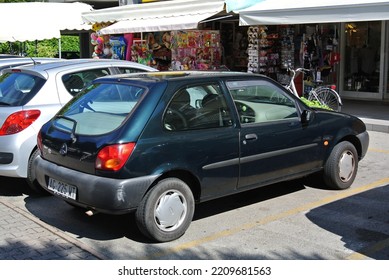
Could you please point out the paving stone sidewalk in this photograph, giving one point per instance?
(24, 237)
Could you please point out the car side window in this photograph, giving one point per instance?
(75, 82)
(261, 101)
(197, 107)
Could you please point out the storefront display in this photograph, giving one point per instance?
(287, 47)
(179, 50)
(272, 50)
(263, 50)
(175, 50)
(195, 50)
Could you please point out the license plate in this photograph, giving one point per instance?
(62, 188)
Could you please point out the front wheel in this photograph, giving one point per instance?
(341, 166)
(166, 211)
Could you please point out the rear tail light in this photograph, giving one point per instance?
(19, 121)
(113, 157)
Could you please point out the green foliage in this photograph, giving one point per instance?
(314, 104)
(44, 48)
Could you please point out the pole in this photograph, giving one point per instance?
(59, 47)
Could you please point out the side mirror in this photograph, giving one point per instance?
(306, 116)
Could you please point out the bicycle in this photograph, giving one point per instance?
(325, 95)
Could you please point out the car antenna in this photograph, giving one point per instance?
(35, 63)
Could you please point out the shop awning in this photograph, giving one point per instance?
(30, 21)
(308, 11)
(156, 16)
(153, 25)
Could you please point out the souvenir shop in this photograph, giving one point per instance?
(345, 41)
(273, 49)
(268, 50)
(352, 56)
(167, 50)
(347, 55)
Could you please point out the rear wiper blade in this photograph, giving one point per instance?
(73, 131)
(5, 103)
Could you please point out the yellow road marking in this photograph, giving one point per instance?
(376, 247)
(272, 218)
(378, 151)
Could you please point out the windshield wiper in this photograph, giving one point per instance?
(5, 103)
(73, 130)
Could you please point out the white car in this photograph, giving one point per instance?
(31, 95)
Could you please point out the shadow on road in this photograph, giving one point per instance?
(246, 198)
(65, 217)
(361, 221)
(14, 187)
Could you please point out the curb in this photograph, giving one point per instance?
(376, 125)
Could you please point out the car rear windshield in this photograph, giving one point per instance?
(98, 109)
(17, 88)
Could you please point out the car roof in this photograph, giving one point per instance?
(9, 61)
(176, 75)
(70, 64)
(75, 63)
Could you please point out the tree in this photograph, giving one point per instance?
(44, 48)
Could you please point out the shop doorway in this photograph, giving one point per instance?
(234, 42)
(362, 52)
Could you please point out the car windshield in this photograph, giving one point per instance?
(98, 109)
(17, 88)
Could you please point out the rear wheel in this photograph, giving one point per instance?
(341, 166)
(31, 179)
(166, 211)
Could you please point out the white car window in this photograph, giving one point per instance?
(75, 82)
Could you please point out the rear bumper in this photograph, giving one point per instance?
(15, 151)
(106, 195)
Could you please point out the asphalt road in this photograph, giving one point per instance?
(278, 222)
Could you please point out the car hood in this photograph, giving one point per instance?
(340, 121)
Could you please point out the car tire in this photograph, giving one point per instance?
(341, 166)
(166, 211)
(31, 179)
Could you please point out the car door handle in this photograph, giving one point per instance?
(251, 137)
(292, 124)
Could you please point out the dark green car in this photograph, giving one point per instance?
(157, 143)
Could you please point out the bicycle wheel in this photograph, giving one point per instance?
(326, 96)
